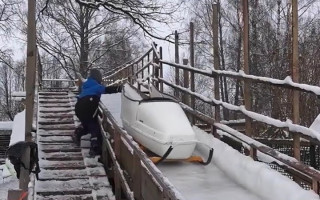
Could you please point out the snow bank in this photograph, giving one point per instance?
(256, 177)
(7, 125)
(315, 126)
(18, 129)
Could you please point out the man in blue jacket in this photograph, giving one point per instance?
(86, 110)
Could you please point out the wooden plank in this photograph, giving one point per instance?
(176, 56)
(295, 78)
(186, 83)
(216, 56)
(247, 92)
(136, 176)
(192, 64)
(149, 190)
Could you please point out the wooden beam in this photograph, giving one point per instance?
(192, 64)
(185, 97)
(176, 56)
(295, 78)
(30, 90)
(247, 95)
(161, 70)
(216, 57)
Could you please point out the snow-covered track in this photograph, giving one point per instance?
(66, 172)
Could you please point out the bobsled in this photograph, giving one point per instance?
(158, 123)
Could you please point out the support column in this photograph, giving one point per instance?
(216, 58)
(192, 84)
(295, 78)
(176, 53)
(30, 89)
(247, 97)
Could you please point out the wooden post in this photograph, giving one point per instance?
(148, 69)
(117, 182)
(155, 69)
(136, 176)
(185, 97)
(295, 78)
(161, 70)
(216, 56)
(30, 89)
(312, 152)
(315, 186)
(176, 53)
(192, 65)
(247, 99)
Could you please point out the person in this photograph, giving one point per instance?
(86, 110)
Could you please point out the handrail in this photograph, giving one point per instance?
(309, 174)
(258, 117)
(127, 65)
(285, 83)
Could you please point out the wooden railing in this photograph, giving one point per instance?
(149, 68)
(134, 175)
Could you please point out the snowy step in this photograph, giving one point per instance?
(54, 116)
(57, 110)
(69, 187)
(61, 156)
(55, 165)
(45, 101)
(65, 197)
(52, 93)
(56, 121)
(41, 97)
(96, 187)
(55, 132)
(55, 105)
(55, 139)
(57, 127)
(63, 174)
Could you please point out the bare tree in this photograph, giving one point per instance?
(76, 36)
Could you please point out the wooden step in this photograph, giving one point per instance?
(57, 127)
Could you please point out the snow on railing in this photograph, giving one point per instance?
(256, 116)
(261, 151)
(287, 82)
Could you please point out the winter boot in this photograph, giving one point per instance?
(95, 149)
(76, 137)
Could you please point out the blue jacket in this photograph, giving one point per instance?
(91, 87)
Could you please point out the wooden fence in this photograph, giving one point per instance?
(149, 69)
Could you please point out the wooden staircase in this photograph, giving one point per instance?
(66, 171)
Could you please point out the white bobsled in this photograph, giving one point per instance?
(158, 123)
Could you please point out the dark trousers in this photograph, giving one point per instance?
(86, 111)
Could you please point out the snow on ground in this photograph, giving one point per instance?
(316, 125)
(230, 175)
(18, 129)
(7, 125)
(8, 179)
(4, 187)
